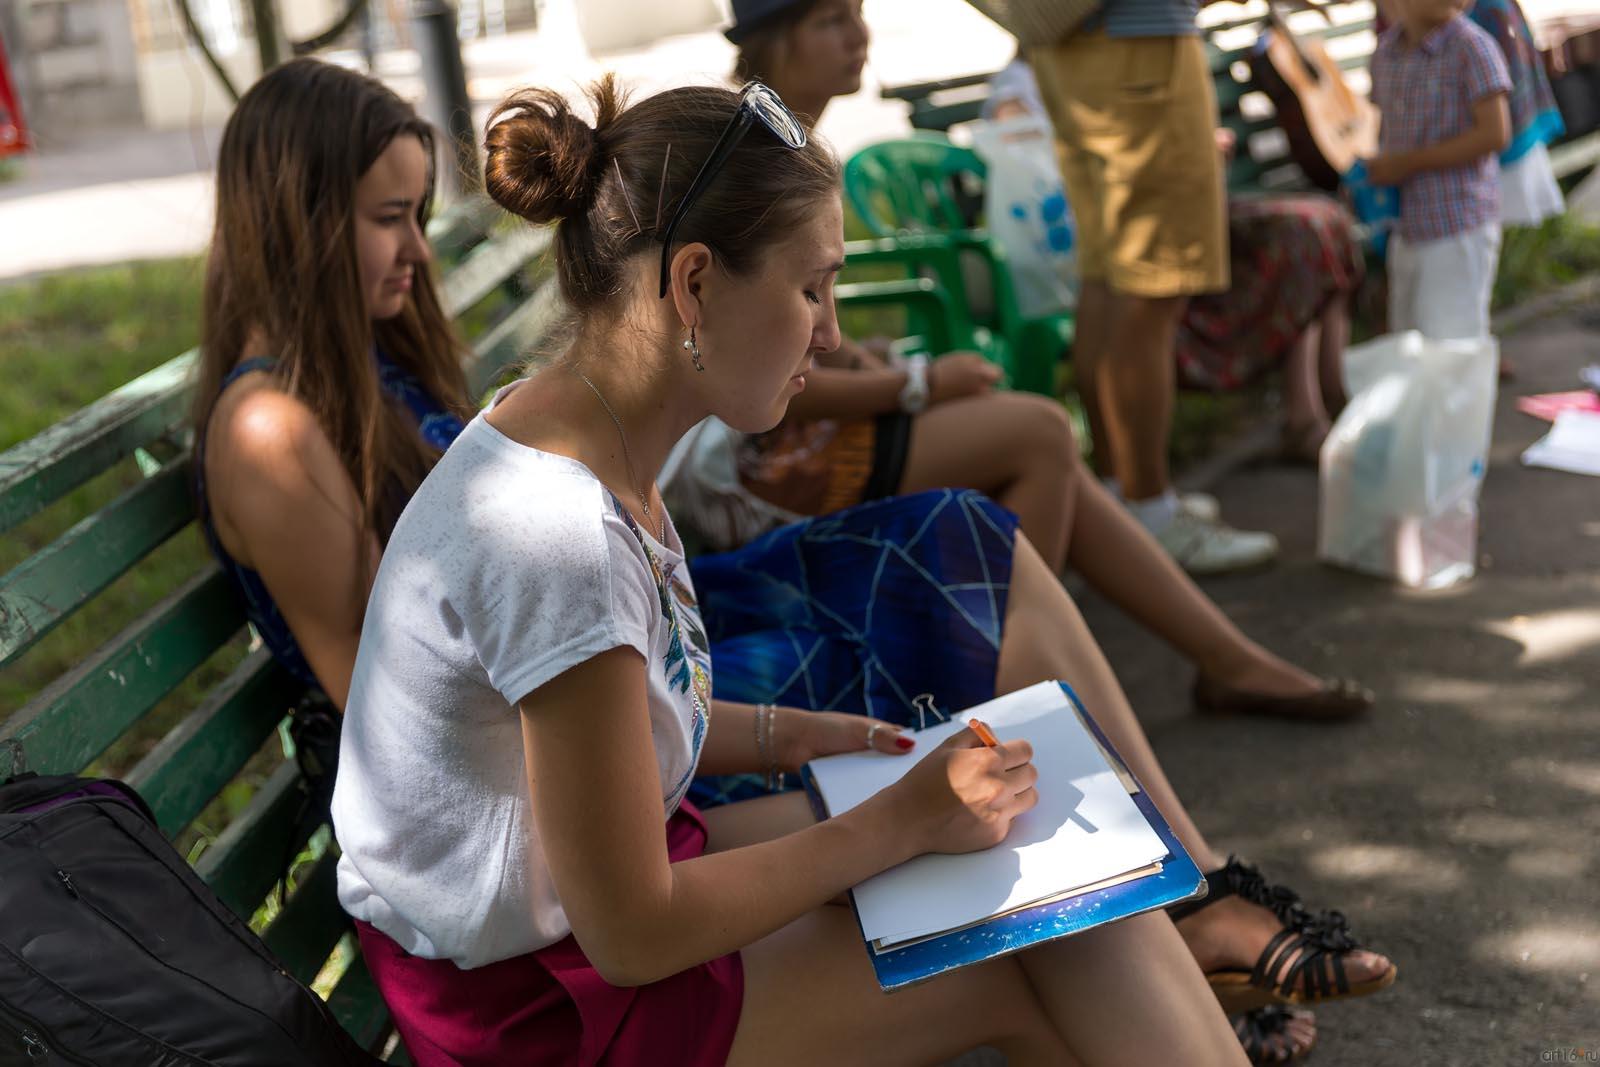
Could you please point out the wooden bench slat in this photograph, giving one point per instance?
(82, 712)
(1572, 156)
(248, 857)
(195, 760)
(305, 932)
(920, 90)
(359, 1007)
(37, 472)
(452, 230)
(48, 586)
(490, 264)
(512, 336)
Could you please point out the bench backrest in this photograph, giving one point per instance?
(183, 670)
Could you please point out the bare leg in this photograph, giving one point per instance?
(1302, 385)
(1136, 381)
(1117, 556)
(1126, 993)
(1093, 327)
(1017, 448)
(1334, 338)
(1104, 972)
(1045, 638)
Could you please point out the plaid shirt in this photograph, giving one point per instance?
(1426, 95)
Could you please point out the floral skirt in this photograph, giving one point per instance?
(863, 611)
(1290, 255)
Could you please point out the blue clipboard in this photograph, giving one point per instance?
(1178, 880)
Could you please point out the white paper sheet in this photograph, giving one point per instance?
(1084, 829)
(1573, 444)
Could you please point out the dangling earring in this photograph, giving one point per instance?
(692, 346)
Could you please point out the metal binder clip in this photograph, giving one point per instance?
(924, 705)
(18, 757)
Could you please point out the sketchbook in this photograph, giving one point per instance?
(1093, 850)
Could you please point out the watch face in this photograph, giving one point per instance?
(914, 394)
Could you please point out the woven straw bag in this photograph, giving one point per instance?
(1038, 22)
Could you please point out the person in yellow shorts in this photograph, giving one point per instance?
(1131, 99)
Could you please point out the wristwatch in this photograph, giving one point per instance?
(914, 394)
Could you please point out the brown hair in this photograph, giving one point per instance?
(615, 185)
(283, 262)
(762, 48)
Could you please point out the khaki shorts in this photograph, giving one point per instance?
(1135, 118)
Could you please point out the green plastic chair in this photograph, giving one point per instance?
(921, 198)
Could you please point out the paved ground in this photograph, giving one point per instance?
(1459, 827)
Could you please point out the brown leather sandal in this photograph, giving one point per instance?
(1339, 698)
(1304, 961)
(1267, 1039)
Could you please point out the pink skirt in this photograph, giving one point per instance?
(551, 1007)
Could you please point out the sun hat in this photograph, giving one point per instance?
(750, 14)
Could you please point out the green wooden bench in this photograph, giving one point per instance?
(187, 660)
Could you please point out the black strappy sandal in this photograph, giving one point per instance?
(1302, 964)
(1264, 1034)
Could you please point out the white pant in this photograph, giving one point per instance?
(1442, 287)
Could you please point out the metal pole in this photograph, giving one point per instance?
(446, 103)
(271, 44)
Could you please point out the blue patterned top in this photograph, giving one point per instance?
(439, 428)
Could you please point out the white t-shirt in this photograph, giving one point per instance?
(509, 566)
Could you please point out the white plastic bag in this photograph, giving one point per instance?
(1027, 213)
(1403, 467)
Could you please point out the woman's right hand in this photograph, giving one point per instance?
(958, 374)
(962, 796)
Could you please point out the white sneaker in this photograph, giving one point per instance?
(1202, 506)
(1206, 546)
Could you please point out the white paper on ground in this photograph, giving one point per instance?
(1573, 444)
(1084, 829)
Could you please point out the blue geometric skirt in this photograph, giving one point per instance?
(863, 611)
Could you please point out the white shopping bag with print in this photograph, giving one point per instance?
(1403, 467)
(1027, 213)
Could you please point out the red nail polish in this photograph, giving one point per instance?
(903, 742)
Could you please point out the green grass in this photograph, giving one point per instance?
(1537, 259)
(71, 338)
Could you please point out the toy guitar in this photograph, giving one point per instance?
(1328, 125)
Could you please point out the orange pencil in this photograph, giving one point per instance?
(986, 735)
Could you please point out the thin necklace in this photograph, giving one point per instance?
(627, 456)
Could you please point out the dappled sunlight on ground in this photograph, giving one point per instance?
(1567, 946)
(1459, 825)
(1553, 635)
(1414, 868)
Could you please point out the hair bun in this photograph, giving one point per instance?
(543, 162)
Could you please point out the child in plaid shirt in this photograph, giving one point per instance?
(1442, 85)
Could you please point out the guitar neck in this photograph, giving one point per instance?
(1276, 19)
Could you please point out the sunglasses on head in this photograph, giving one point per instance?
(757, 103)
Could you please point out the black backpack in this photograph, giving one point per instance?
(114, 953)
